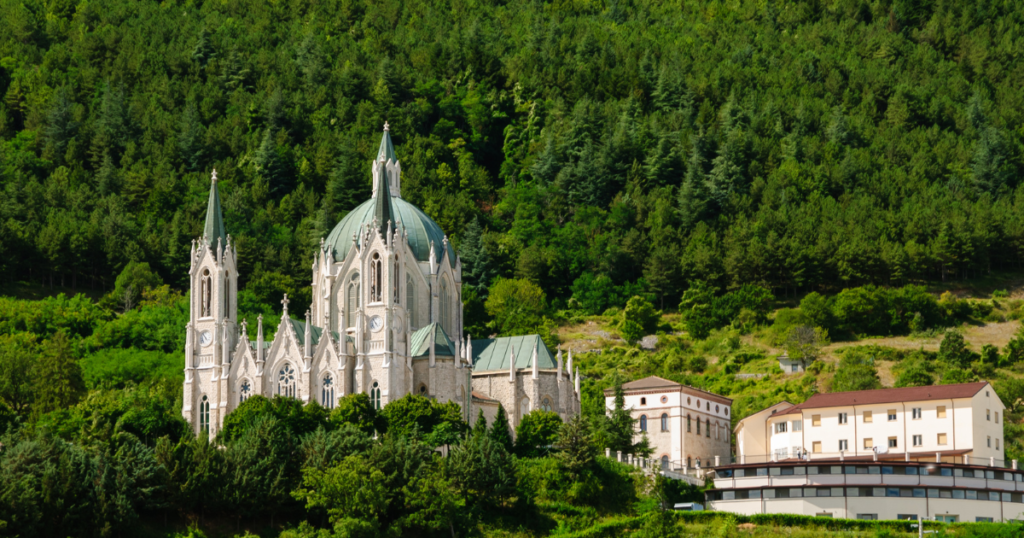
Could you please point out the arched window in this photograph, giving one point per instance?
(664, 462)
(445, 307)
(327, 392)
(718, 431)
(410, 302)
(206, 283)
(545, 404)
(524, 407)
(353, 301)
(698, 425)
(643, 423)
(286, 381)
(204, 414)
(423, 389)
(375, 395)
(643, 401)
(244, 391)
(395, 281)
(376, 279)
(689, 462)
(688, 423)
(664, 422)
(707, 428)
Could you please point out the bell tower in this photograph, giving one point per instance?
(212, 331)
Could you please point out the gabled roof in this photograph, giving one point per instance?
(666, 385)
(650, 382)
(882, 396)
(492, 354)
(420, 342)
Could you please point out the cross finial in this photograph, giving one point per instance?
(213, 175)
(284, 303)
(386, 127)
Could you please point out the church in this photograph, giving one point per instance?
(385, 320)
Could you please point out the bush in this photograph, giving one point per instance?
(536, 433)
(856, 371)
(953, 350)
(640, 311)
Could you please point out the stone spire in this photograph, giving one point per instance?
(259, 338)
(307, 343)
(383, 213)
(387, 149)
(214, 229)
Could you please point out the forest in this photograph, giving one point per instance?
(719, 174)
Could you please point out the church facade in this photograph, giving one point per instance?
(385, 320)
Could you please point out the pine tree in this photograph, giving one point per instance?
(501, 431)
(476, 260)
(108, 177)
(480, 427)
(111, 125)
(270, 167)
(619, 425)
(61, 126)
(59, 383)
(191, 143)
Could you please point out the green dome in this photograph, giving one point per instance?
(422, 230)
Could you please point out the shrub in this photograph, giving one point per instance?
(856, 371)
(953, 350)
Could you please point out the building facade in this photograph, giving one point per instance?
(385, 320)
(686, 427)
(934, 452)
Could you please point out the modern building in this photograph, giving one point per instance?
(934, 452)
(686, 427)
(385, 320)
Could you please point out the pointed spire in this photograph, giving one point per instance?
(387, 149)
(512, 365)
(577, 380)
(568, 367)
(214, 229)
(533, 359)
(245, 329)
(259, 338)
(383, 212)
(307, 343)
(469, 351)
(558, 357)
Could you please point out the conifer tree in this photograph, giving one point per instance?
(61, 126)
(480, 426)
(501, 431)
(191, 145)
(59, 382)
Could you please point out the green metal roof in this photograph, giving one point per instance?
(422, 230)
(420, 342)
(214, 228)
(300, 330)
(387, 149)
(492, 354)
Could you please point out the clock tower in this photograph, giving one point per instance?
(212, 331)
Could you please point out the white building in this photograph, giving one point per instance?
(934, 452)
(385, 320)
(686, 427)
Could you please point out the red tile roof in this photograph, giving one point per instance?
(482, 398)
(653, 383)
(880, 396)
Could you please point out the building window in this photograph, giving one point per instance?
(423, 389)
(844, 445)
(842, 418)
(410, 302)
(244, 391)
(643, 423)
(867, 417)
(375, 395)
(988, 414)
(394, 281)
(892, 415)
(780, 427)
(868, 443)
(726, 411)
(664, 462)
(868, 517)
(643, 401)
(327, 392)
(997, 417)
(353, 301)
(698, 425)
(687, 401)
(815, 420)
(204, 414)
(707, 406)
(942, 439)
(918, 440)
(997, 444)
(798, 425)
(698, 404)
(940, 411)
(286, 381)
(892, 442)
(206, 283)
(376, 278)
(794, 368)
(707, 428)
(688, 424)
(916, 412)
(990, 441)
(664, 422)
(545, 404)
(816, 447)
(664, 399)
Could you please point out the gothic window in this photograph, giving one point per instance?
(423, 389)
(410, 302)
(327, 392)
(664, 462)
(375, 395)
(286, 381)
(643, 423)
(204, 414)
(445, 307)
(664, 422)
(524, 407)
(545, 404)
(244, 391)
(353, 301)
(394, 281)
(376, 279)
(205, 284)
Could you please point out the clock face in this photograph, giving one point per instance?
(376, 323)
(205, 338)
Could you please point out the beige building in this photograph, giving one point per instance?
(686, 427)
(385, 320)
(930, 452)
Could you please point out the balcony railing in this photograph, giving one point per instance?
(785, 455)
